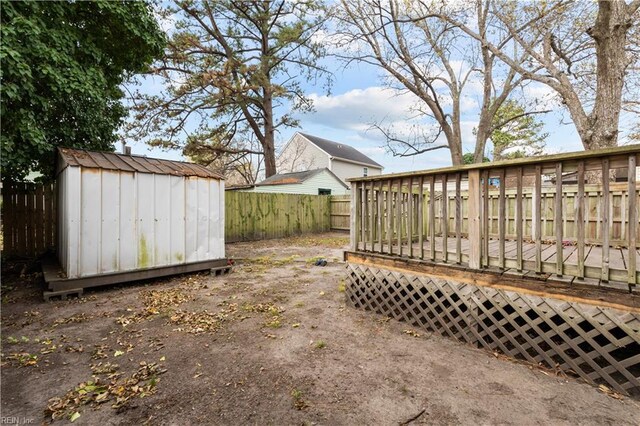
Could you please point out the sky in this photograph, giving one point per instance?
(359, 98)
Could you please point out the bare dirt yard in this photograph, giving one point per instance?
(271, 343)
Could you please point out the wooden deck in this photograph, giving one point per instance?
(507, 219)
(618, 258)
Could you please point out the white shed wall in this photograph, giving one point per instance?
(117, 221)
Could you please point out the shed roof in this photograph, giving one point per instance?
(296, 177)
(130, 163)
(340, 150)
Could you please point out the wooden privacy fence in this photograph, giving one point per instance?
(524, 229)
(340, 207)
(28, 218)
(257, 216)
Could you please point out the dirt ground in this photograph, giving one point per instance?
(271, 343)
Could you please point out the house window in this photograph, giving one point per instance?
(365, 171)
(324, 191)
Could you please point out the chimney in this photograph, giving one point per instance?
(127, 150)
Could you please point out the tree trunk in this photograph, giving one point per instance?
(268, 144)
(610, 35)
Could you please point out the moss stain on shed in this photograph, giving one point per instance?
(143, 254)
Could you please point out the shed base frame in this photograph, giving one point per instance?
(57, 284)
(599, 344)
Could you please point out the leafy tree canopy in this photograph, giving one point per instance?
(62, 67)
(516, 133)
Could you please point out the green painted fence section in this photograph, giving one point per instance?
(253, 216)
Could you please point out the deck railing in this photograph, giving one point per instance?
(565, 215)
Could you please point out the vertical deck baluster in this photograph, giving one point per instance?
(444, 219)
(363, 215)
(519, 230)
(353, 216)
(421, 217)
(380, 200)
(485, 219)
(502, 220)
(633, 219)
(558, 221)
(537, 222)
(399, 216)
(372, 216)
(605, 220)
(474, 205)
(390, 216)
(410, 217)
(432, 216)
(580, 219)
(458, 219)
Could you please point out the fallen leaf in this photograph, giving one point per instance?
(118, 353)
(74, 417)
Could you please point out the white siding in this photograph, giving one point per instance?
(345, 170)
(113, 221)
(300, 155)
(322, 180)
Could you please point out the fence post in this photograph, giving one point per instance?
(474, 205)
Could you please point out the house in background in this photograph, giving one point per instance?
(306, 152)
(310, 182)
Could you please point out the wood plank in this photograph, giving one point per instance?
(579, 200)
(458, 219)
(605, 219)
(371, 212)
(380, 214)
(519, 230)
(421, 217)
(558, 219)
(474, 207)
(390, 216)
(537, 213)
(485, 218)
(502, 219)
(444, 218)
(399, 216)
(410, 217)
(353, 212)
(432, 217)
(633, 219)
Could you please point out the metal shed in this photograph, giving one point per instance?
(127, 217)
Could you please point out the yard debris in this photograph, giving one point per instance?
(81, 317)
(321, 262)
(96, 392)
(198, 322)
(411, 333)
(609, 392)
(24, 359)
(156, 302)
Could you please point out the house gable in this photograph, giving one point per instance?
(299, 155)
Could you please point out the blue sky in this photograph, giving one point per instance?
(359, 98)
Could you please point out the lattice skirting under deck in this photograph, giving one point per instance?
(599, 344)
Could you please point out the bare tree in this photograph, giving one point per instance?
(232, 72)
(582, 50)
(436, 61)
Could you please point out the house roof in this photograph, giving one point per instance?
(296, 177)
(130, 163)
(340, 150)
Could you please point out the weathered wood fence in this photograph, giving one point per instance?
(28, 218)
(258, 216)
(340, 207)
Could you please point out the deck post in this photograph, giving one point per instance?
(353, 228)
(474, 205)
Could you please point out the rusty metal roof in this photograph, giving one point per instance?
(130, 163)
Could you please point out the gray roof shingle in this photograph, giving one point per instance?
(340, 150)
